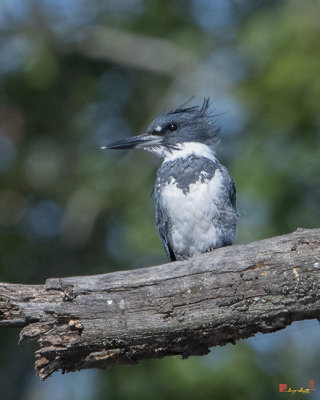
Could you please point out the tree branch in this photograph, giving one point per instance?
(176, 308)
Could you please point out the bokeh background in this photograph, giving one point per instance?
(76, 74)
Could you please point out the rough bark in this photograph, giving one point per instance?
(176, 308)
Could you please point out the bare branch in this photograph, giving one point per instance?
(177, 308)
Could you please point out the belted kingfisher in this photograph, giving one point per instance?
(194, 194)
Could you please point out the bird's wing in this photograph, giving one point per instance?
(163, 228)
(228, 212)
(232, 191)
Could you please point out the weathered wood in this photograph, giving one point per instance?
(176, 308)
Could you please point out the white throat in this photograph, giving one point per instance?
(184, 150)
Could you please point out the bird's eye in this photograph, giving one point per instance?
(172, 127)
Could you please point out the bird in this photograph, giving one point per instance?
(194, 194)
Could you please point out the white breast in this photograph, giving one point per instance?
(193, 214)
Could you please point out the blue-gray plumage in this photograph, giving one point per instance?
(194, 195)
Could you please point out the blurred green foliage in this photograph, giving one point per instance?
(282, 93)
(237, 376)
(75, 75)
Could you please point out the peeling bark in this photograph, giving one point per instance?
(177, 308)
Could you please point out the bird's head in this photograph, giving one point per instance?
(174, 131)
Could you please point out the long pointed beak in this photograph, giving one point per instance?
(140, 141)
